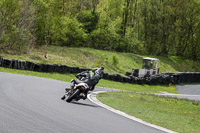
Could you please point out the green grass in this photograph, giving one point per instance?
(175, 114)
(90, 58)
(103, 83)
(138, 88)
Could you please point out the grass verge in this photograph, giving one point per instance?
(114, 62)
(175, 114)
(103, 83)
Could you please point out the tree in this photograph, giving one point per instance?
(16, 25)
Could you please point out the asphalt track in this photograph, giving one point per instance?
(193, 89)
(190, 92)
(32, 105)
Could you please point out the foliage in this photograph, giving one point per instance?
(165, 27)
(88, 19)
(115, 60)
(15, 25)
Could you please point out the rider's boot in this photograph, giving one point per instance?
(85, 95)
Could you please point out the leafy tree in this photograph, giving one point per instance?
(16, 25)
(164, 27)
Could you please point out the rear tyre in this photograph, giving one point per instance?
(70, 98)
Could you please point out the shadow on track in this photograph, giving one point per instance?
(84, 104)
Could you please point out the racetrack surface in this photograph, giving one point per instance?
(193, 89)
(190, 92)
(32, 105)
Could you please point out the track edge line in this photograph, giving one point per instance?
(92, 98)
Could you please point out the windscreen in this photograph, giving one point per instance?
(148, 64)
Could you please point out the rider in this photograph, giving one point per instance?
(91, 77)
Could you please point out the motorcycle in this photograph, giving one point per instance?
(76, 93)
(85, 82)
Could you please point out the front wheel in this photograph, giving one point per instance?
(71, 97)
(63, 97)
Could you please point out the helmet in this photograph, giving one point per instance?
(102, 68)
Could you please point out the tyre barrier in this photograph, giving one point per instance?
(161, 79)
(39, 67)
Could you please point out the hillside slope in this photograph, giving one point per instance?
(114, 62)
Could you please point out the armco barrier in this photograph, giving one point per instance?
(163, 78)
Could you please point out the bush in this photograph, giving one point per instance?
(115, 61)
(72, 34)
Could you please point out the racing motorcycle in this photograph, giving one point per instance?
(76, 93)
(86, 82)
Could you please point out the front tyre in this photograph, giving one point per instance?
(70, 98)
(63, 97)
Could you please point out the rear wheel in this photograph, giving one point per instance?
(70, 98)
